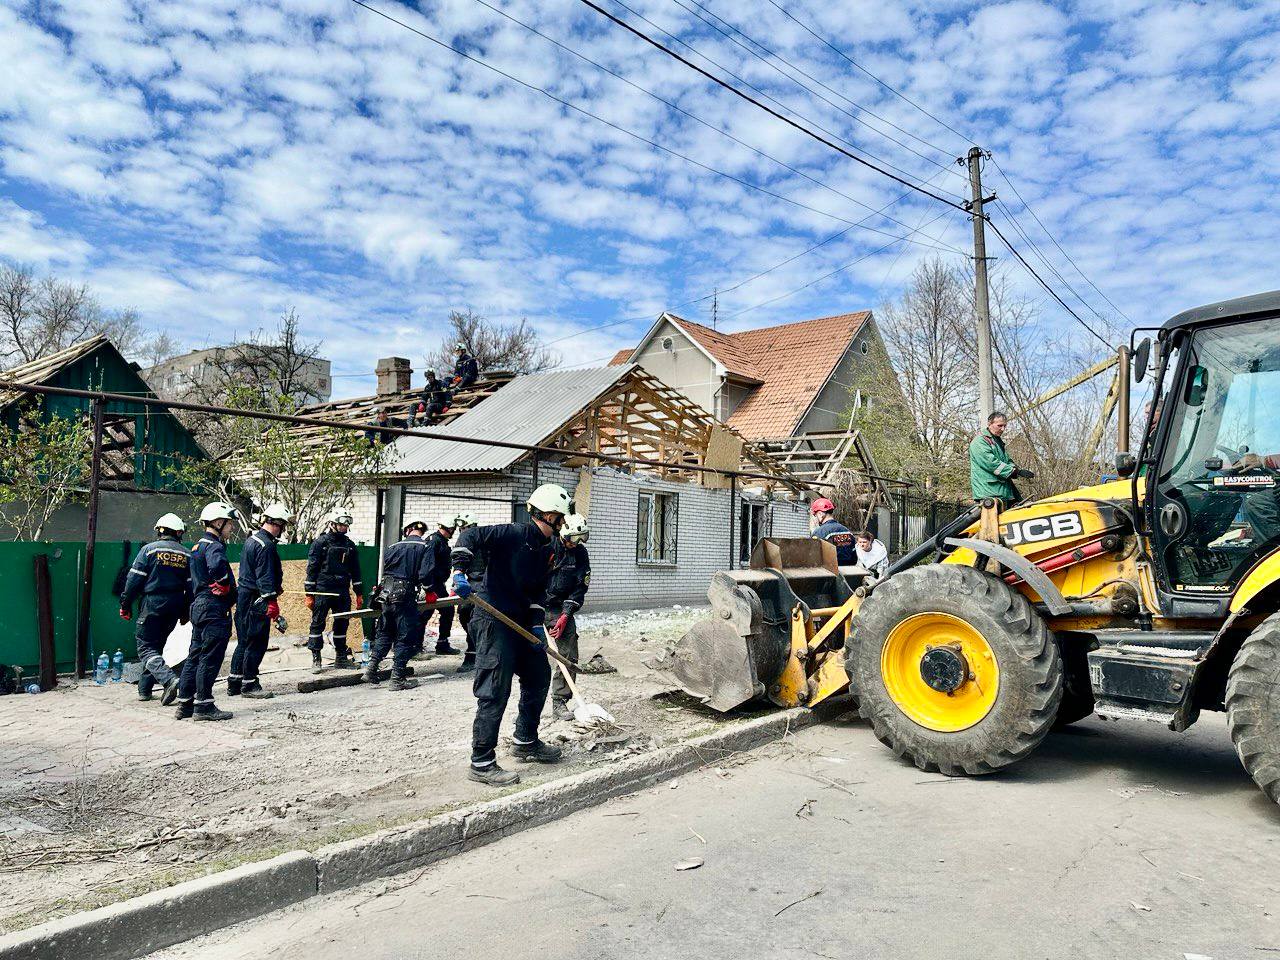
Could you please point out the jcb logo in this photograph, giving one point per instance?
(1042, 528)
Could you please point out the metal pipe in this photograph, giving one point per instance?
(1122, 400)
(733, 493)
(90, 542)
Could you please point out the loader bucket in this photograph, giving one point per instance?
(739, 652)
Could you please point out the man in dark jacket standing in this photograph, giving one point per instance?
(830, 529)
(214, 588)
(405, 568)
(476, 579)
(437, 576)
(566, 591)
(257, 602)
(518, 559)
(333, 574)
(161, 577)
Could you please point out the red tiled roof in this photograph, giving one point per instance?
(621, 357)
(792, 363)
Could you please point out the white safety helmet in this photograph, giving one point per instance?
(171, 521)
(415, 520)
(575, 528)
(466, 519)
(339, 516)
(218, 511)
(448, 520)
(460, 348)
(277, 512)
(550, 498)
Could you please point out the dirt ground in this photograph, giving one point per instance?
(104, 797)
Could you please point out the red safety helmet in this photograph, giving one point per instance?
(822, 505)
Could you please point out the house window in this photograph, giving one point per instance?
(657, 522)
(751, 527)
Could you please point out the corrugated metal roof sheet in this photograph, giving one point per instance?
(44, 369)
(529, 409)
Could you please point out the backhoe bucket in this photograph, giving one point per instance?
(738, 654)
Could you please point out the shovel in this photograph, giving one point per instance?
(588, 714)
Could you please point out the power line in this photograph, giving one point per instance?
(1026, 206)
(844, 56)
(765, 107)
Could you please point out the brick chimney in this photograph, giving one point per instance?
(394, 375)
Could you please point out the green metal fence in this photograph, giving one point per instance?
(19, 637)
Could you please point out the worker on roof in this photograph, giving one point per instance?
(333, 574)
(161, 577)
(566, 591)
(432, 404)
(213, 586)
(439, 552)
(257, 602)
(382, 419)
(466, 368)
(518, 558)
(991, 470)
(405, 569)
(826, 527)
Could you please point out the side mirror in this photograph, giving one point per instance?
(1141, 357)
(1126, 464)
(1197, 386)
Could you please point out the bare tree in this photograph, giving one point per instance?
(498, 346)
(159, 348)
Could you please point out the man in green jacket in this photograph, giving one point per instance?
(991, 472)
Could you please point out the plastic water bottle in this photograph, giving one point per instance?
(117, 667)
(103, 668)
(33, 688)
(365, 651)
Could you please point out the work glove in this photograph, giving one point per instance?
(359, 601)
(1024, 474)
(310, 602)
(540, 634)
(126, 613)
(461, 585)
(430, 597)
(273, 609)
(219, 589)
(559, 626)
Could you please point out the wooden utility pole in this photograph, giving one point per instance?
(981, 297)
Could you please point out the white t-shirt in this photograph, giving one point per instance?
(876, 559)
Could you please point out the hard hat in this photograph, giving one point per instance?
(449, 520)
(171, 521)
(340, 516)
(430, 374)
(460, 347)
(551, 498)
(218, 511)
(575, 528)
(277, 512)
(468, 520)
(415, 520)
(822, 505)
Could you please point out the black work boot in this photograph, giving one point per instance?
(233, 686)
(209, 711)
(252, 690)
(536, 752)
(316, 665)
(468, 663)
(402, 683)
(446, 649)
(493, 776)
(370, 673)
(170, 692)
(343, 661)
(184, 711)
(561, 711)
(146, 683)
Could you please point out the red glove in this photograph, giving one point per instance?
(559, 626)
(219, 589)
(359, 601)
(126, 613)
(273, 609)
(310, 602)
(431, 598)
(421, 407)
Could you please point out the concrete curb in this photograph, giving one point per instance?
(137, 927)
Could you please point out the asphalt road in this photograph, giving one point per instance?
(1114, 840)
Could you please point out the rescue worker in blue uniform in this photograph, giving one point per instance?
(566, 591)
(434, 401)
(333, 574)
(518, 557)
(833, 531)
(161, 577)
(405, 568)
(437, 577)
(257, 602)
(214, 587)
(466, 368)
(476, 578)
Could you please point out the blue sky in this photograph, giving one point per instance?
(214, 163)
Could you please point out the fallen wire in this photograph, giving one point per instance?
(794, 902)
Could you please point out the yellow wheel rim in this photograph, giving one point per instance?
(945, 651)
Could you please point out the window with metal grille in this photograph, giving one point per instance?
(657, 523)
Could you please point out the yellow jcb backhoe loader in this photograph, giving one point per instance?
(1149, 597)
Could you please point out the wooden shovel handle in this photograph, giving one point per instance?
(499, 615)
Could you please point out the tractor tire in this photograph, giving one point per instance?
(961, 727)
(1253, 705)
